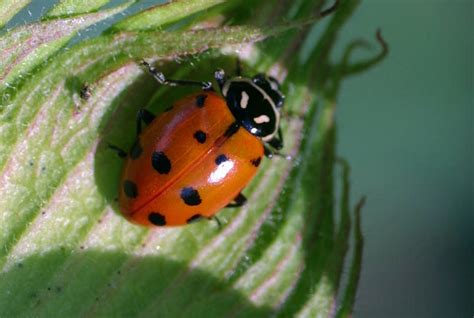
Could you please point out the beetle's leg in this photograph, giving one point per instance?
(121, 153)
(146, 116)
(215, 218)
(267, 151)
(160, 77)
(239, 200)
(280, 136)
(277, 142)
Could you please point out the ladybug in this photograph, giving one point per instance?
(198, 155)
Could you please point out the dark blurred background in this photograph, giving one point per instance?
(406, 128)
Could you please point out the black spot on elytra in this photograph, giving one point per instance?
(220, 159)
(160, 162)
(190, 196)
(200, 99)
(130, 189)
(157, 219)
(136, 150)
(256, 161)
(200, 136)
(195, 218)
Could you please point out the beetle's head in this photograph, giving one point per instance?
(255, 102)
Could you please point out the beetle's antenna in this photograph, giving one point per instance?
(238, 68)
(160, 77)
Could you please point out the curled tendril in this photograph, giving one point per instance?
(350, 69)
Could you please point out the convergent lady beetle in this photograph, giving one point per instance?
(196, 157)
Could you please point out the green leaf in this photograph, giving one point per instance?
(71, 7)
(26, 47)
(65, 250)
(163, 14)
(8, 8)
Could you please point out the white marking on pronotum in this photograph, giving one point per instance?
(262, 119)
(265, 96)
(244, 100)
(273, 85)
